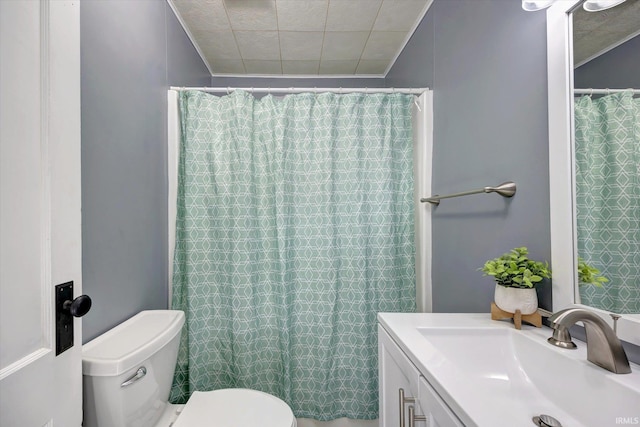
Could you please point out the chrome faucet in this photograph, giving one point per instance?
(603, 346)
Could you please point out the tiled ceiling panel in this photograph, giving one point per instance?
(300, 37)
(596, 32)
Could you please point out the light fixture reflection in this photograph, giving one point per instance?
(533, 5)
(598, 5)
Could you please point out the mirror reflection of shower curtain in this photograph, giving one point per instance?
(295, 227)
(607, 151)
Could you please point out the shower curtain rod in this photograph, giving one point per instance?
(414, 91)
(603, 91)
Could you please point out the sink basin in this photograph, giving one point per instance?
(498, 375)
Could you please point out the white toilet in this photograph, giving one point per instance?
(127, 375)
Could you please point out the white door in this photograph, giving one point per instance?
(40, 229)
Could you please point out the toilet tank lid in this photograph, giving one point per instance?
(131, 342)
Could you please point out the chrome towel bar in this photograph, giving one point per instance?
(506, 189)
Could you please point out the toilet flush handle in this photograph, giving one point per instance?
(141, 372)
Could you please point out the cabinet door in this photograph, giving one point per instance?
(439, 413)
(396, 372)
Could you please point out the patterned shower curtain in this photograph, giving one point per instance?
(294, 228)
(608, 198)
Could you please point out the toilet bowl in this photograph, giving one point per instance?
(127, 376)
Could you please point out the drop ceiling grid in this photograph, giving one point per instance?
(299, 37)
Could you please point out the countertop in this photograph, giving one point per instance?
(473, 407)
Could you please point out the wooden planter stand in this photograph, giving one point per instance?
(498, 314)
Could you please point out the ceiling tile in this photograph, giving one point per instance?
(398, 15)
(333, 37)
(344, 44)
(372, 66)
(300, 45)
(352, 15)
(383, 44)
(338, 67)
(226, 66)
(596, 42)
(592, 21)
(218, 44)
(596, 33)
(252, 15)
(261, 45)
(262, 67)
(300, 67)
(203, 15)
(296, 15)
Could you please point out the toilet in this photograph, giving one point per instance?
(127, 376)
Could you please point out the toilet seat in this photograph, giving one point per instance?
(235, 407)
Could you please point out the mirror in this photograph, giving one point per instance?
(565, 244)
(606, 155)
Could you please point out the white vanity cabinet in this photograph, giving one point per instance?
(464, 369)
(402, 387)
(399, 383)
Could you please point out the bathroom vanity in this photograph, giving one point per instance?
(402, 387)
(450, 370)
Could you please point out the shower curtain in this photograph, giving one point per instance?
(607, 149)
(295, 226)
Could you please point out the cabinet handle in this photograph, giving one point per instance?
(413, 417)
(403, 400)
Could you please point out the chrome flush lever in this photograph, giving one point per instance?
(140, 373)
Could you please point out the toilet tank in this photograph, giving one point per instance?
(128, 371)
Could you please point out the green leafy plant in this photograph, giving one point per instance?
(515, 270)
(588, 275)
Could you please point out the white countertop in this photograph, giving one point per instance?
(475, 407)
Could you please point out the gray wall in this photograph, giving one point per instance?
(415, 65)
(131, 51)
(486, 62)
(267, 82)
(619, 68)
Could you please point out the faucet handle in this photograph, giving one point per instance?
(562, 338)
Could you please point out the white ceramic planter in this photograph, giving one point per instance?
(512, 299)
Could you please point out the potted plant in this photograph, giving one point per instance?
(516, 277)
(588, 275)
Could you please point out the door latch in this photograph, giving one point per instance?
(66, 309)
